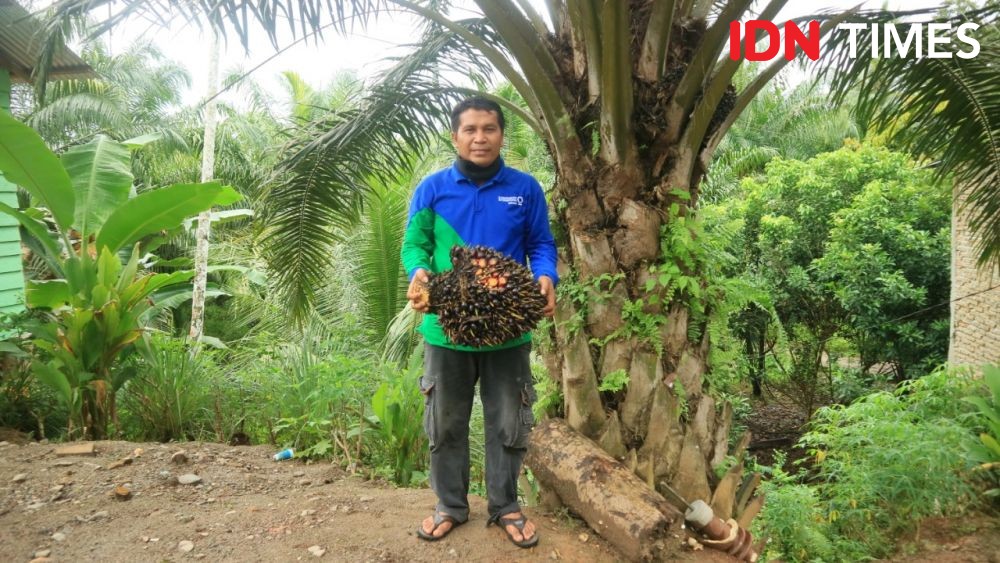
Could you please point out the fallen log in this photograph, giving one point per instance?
(611, 499)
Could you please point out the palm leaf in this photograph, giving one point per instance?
(321, 186)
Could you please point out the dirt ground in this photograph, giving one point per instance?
(246, 507)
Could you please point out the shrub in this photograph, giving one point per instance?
(791, 518)
(169, 396)
(889, 459)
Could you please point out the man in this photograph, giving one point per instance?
(477, 201)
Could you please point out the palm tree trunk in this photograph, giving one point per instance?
(663, 425)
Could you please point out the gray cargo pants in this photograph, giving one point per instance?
(507, 392)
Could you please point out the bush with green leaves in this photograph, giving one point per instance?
(850, 245)
(987, 452)
(25, 404)
(97, 305)
(169, 393)
(791, 518)
(397, 419)
(300, 394)
(890, 459)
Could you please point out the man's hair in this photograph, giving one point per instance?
(475, 103)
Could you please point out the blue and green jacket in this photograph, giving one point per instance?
(508, 213)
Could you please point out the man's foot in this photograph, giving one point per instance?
(519, 529)
(437, 526)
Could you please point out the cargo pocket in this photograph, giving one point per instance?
(427, 389)
(525, 417)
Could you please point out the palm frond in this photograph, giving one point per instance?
(375, 250)
(320, 187)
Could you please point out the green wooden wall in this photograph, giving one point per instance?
(11, 278)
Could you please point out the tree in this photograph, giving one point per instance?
(851, 243)
(632, 99)
(132, 97)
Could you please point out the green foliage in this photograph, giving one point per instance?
(792, 518)
(397, 415)
(614, 381)
(98, 306)
(305, 392)
(169, 396)
(890, 459)
(987, 454)
(550, 396)
(851, 247)
(25, 403)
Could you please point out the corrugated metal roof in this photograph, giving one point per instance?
(20, 45)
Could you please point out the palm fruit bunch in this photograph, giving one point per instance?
(486, 298)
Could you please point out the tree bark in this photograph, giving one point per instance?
(205, 217)
(605, 493)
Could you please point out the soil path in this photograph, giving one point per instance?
(245, 508)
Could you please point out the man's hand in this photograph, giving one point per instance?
(417, 292)
(548, 289)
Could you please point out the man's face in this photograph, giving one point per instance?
(479, 136)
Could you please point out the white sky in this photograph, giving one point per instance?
(361, 52)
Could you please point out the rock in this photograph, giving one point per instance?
(99, 515)
(186, 546)
(121, 463)
(317, 551)
(299, 474)
(64, 463)
(122, 492)
(76, 449)
(40, 560)
(185, 518)
(694, 544)
(308, 512)
(189, 479)
(58, 536)
(452, 552)
(4, 444)
(43, 553)
(584, 538)
(34, 506)
(366, 499)
(305, 482)
(20, 478)
(179, 457)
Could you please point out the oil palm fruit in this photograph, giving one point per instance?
(486, 298)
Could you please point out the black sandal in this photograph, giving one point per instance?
(439, 518)
(518, 523)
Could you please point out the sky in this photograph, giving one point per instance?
(362, 52)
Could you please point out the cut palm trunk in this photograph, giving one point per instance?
(604, 492)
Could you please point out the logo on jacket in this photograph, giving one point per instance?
(511, 199)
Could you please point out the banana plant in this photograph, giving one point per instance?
(95, 237)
